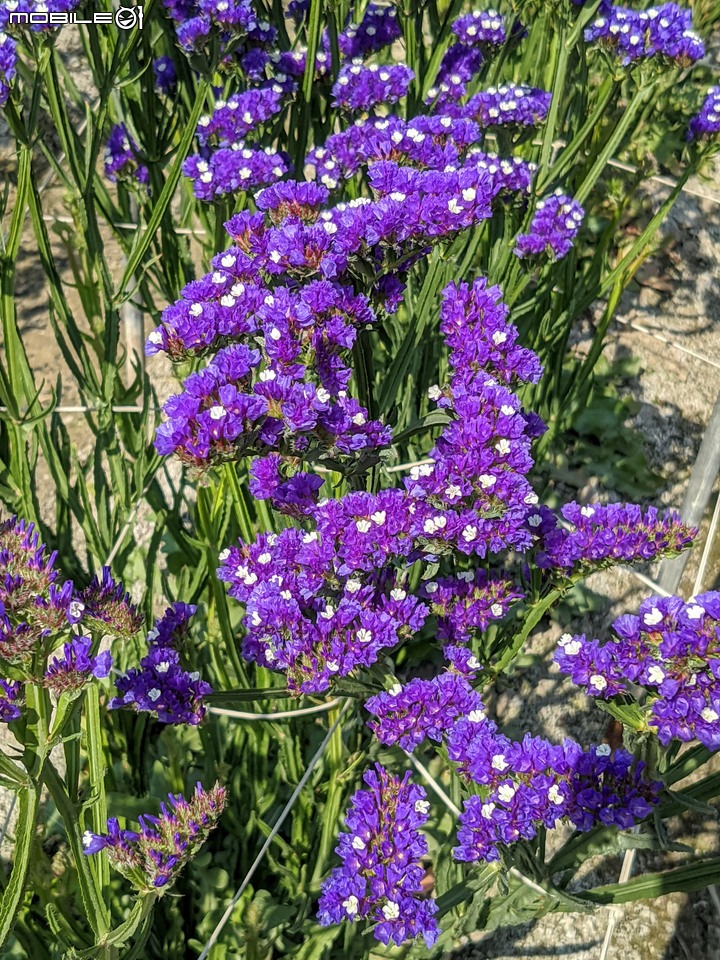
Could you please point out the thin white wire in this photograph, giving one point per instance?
(263, 850)
(279, 715)
(671, 343)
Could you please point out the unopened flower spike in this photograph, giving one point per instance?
(153, 856)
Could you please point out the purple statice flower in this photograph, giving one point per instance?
(232, 120)
(555, 224)
(234, 169)
(407, 714)
(34, 604)
(71, 671)
(8, 64)
(377, 29)
(165, 75)
(230, 25)
(664, 32)
(153, 856)
(509, 174)
(292, 198)
(106, 601)
(292, 493)
(121, 158)
(297, 10)
(11, 694)
(468, 602)
(474, 496)
(381, 875)
(534, 783)
(509, 105)
(602, 536)
(172, 627)
(162, 687)
(459, 65)
(359, 87)
(672, 649)
(706, 124)
(480, 28)
(323, 603)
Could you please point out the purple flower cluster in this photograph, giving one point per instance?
(531, 783)
(233, 119)
(153, 857)
(424, 142)
(233, 23)
(71, 671)
(105, 601)
(8, 61)
(554, 226)
(664, 32)
(480, 28)
(468, 602)
(161, 686)
(407, 714)
(381, 875)
(706, 124)
(121, 158)
(11, 693)
(509, 105)
(606, 535)
(252, 402)
(359, 87)
(230, 169)
(321, 604)
(377, 29)
(165, 75)
(672, 649)
(476, 486)
(35, 605)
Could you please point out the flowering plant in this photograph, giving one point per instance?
(346, 494)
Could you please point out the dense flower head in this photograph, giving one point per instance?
(359, 87)
(423, 142)
(706, 124)
(459, 65)
(316, 606)
(232, 23)
(153, 856)
(292, 198)
(165, 75)
(74, 668)
(481, 27)
(407, 714)
(290, 490)
(121, 157)
(554, 226)
(247, 402)
(672, 649)
(664, 32)
(465, 604)
(8, 65)
(509, 105)
(11, 695)
(107, 602)
(162, 687)
(381, 874)
(533, 783)
(603, 535)
(171, 628)
(377, 29)
(233, 119)
(228, 170)
(35, 605)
